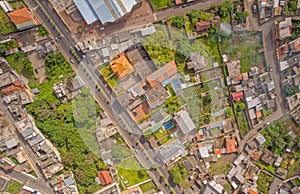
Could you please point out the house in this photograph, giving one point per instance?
(237, 96)
(197, 61)
(104, 177)
(268, 157)
(213, 188)
(203, 152)
(156, 96)
(202, 26)
(121, 66)
(260, 139)
(281, 171)
(284, 29)
(162, 75)
(11, 144)
(234, 69)
(216, 20)
(22, 18)
(252, 191)
(278, 162)
(251, 173)
(170, 152)
(190, 163)
(231, 146)
(184, 121)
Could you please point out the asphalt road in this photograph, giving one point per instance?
(28, 181)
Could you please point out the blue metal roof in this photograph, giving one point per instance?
(86, 11)
(102, 11)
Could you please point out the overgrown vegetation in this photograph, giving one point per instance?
(21, 63)
(69, 126)
(158, 4)
(42, 31)
(6, 26)
(179, 174)
(264, 182)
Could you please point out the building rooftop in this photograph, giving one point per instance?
(231, 145)
(169, 152)
(11, 143)
(202, 26)
(162, 74)
(184, 122)
(121, 66)
(104, 177)
(197, 61)
(105, 11)
(156, 96)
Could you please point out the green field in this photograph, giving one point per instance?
(148, 186)
(13, 187)
(132, 171)
(6, 26)
(158, 4)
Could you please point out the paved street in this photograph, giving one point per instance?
(28, 181)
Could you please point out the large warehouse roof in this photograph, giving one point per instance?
(104, 10)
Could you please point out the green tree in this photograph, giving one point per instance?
(225, 8)
(179, 21)
(2, 50)
(241, 16)
(195, 15)
(292, 4)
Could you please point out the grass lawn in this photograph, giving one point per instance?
(158, 4)
(113, 81)
(10, 44)
(264, 182)
(245, 65)
(160, 133)
(296, 182)
(20, 62)
(165, 140)
(105, 70)
(6, 26)
(13, 187)
(131, 171)
(148, 186)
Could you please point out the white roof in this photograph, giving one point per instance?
(204, 152)
(185, 122)
(148, 31)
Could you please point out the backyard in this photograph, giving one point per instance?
(21, 63)
(222, 165)
(239, 108)
(6, 26)
(148, 186)
(264, 182)
(131, 172)
(247, 46)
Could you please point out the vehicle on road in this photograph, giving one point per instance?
(259, 129)
(57, 39)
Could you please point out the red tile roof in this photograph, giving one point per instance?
(104, 177)
(20, 16)
(251, 191)
(237, 96)
(162, 74)
(202, 26)
(230, 145)
(178, 2)
(256, 156)
(218, 151)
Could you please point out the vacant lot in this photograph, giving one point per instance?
(6, 26)
(247, 46)
(131, 171)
